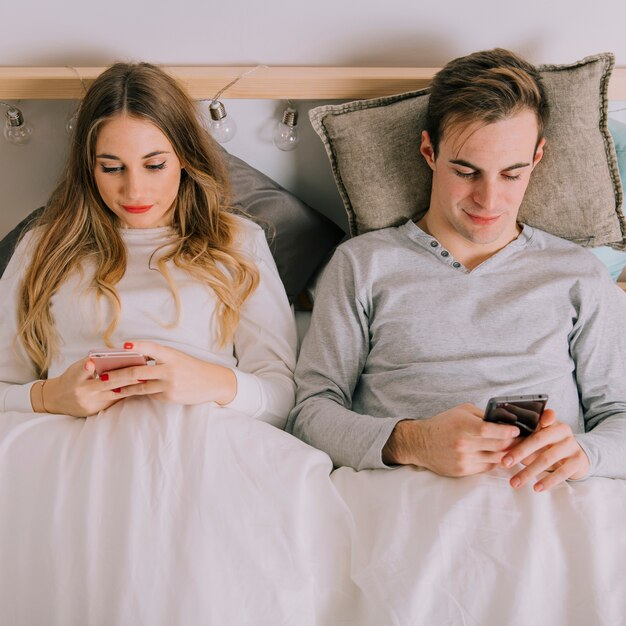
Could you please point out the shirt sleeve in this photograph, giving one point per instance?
(598, 347)
(265, 344)
(332, 358)
(17, 373)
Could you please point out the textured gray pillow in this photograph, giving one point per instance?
(299, 237)
(373, 146)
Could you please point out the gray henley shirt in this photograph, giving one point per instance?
(401, 330)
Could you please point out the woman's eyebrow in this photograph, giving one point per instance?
(116, 158)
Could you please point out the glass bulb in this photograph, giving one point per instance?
(70, 122)
(286, 135)
(221, 126)
(17, 131)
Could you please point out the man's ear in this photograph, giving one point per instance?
(427, 149)
(539, 151)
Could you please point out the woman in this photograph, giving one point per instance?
(137, 247)
(168, 504)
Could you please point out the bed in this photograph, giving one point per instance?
(218, 519)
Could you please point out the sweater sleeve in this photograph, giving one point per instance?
(598, 347)
(332, 358)
(17, 373)
(265, 345)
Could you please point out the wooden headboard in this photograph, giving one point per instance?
(277, 83)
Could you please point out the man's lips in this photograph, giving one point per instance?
(482, 220)
(137, 208)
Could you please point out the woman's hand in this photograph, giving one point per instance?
(176, 377)
(552, 448)
(76, 392)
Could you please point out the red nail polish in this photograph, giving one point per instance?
(118, 390)
(128, 346)
(104, 377)
(141, 381)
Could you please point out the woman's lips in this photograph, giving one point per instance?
(137, 208)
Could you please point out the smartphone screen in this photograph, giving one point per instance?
(521, 411)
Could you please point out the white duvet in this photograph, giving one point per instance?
(188, 518)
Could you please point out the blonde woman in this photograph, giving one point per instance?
(137, 250)
(174, 501)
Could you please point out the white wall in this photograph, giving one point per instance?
(273, 32)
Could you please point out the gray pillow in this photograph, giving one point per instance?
(299, 237)
(373, 147)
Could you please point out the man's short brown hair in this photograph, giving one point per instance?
(487, 87)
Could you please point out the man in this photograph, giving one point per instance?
(416, 327)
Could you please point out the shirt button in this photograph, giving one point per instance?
(445, 253)
(434, 244)
(456, 265)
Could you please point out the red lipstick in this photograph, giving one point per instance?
(137, 208)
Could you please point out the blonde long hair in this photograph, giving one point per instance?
(77, 226)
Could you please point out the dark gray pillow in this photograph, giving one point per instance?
(7, 245)
(299, 237)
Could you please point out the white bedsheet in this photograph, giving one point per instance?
(443, 551)
(204, 517)
(178, 518)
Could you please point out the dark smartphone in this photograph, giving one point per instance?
(521, 411)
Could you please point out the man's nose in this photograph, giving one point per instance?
(486, 194)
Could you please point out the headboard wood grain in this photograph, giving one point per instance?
(276, 83)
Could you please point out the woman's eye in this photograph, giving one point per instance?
(157, 166)
(111, 170)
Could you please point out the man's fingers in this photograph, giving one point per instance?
(491, 430)
(536, 442)
(548, 417)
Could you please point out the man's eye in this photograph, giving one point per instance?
(511, 177)
(111, 170)
(465, 174)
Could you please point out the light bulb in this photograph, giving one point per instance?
(16, 130)
(221, 126)
(70, 121)
(286, 134)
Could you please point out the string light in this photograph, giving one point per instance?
(286, 135)
(221, 125)
(16, 130)
(72, 117)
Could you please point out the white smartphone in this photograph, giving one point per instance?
(107, 360)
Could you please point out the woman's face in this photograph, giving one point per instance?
(137, 172)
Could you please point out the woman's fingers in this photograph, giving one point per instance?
(150, 349)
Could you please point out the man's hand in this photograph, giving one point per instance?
(553, 448)
(456, 442)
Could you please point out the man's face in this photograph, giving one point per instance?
(479, 179)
